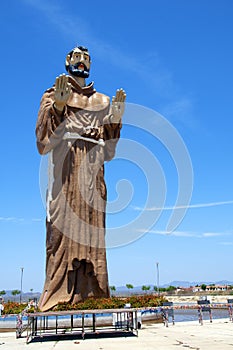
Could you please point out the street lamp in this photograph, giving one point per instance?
(157, 267)
(21, 284)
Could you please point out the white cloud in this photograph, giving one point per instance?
(174, 233)
(191, 233)
(77, 29)
(180, 109)
(12, 219)
(212, 234)
(226, 243)
(183, 234)
(178, 106)
(191, 206)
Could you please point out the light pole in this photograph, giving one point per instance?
(21, 284)
(157, 268)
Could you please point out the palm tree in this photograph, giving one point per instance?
(112, 288)
(15, 292)
(145, 288)
(129, 286)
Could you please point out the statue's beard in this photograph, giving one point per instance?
(73, 69)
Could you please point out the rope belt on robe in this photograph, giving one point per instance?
(67, 136)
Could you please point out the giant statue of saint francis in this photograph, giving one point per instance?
(79, 128)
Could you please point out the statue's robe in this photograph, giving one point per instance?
(76, 266)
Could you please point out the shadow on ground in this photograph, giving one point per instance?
(78, 336)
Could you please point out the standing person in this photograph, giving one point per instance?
(1, 308)
(79, 128)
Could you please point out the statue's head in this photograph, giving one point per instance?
(78, 62)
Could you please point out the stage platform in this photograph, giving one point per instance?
(81, 322)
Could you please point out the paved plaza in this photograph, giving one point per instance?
(183, 335)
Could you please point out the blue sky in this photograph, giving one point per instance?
(173, 57)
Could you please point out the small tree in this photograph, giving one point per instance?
(129, 286)
(15, 292)
(31, 290)
(145, 288)
(203, 286)
(171, 288)
(112, 288)
(2, 292)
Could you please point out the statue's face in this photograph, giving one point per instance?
(79, 63)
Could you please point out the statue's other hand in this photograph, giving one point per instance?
(62, 91)
(118, 106)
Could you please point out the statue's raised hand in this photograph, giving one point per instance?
(118, 106)
(62, 91)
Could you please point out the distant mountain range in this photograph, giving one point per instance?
(25, 296)
(189, 284)
(121, 289)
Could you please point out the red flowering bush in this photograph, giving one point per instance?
(12, 307)
(112, 303)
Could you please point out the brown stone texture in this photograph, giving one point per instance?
(76, 266)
